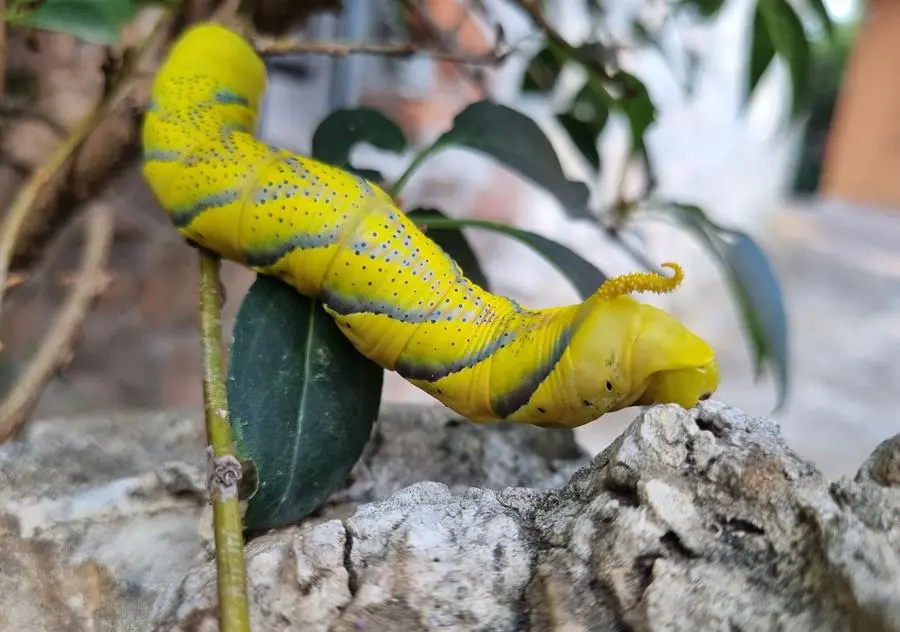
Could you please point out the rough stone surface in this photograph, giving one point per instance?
(100, 514)
(429, 443)
(688, 521)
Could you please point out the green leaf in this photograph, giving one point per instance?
(637, 105)
(303, 401)
(95, 21)
(706, 8)
(641, 33)
(762, 52)
(583, 136)
(824, 17)
(757, 282)
(518, 142)
(789, 39)
(585, 121)
(343, 129)
(542, 72)
(755, 287)
(592, 106)
(454, 243)
(583, 274)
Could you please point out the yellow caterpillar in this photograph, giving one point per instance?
(395, 294)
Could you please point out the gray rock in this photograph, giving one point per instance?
(689, 520)
(415, 443)
(98, 515)
(98, 519)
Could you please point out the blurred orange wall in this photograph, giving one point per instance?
(862, 160)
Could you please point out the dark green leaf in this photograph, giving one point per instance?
(454, 243)
(583, 274)
(762, 51)
(585, 121)
(591, 105)
(707, 8)
(637, 105)
(754, 286)
(824, 17)
(95, 21)
(302, 401)
(542, 72)
(641, 33)
(754, 275)
(518, 142)
(596, 55)
(342, 130)
(789, 39)
(583, 136)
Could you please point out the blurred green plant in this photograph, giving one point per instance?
(95, 21)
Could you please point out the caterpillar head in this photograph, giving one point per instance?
(629, 353)
(670, 364)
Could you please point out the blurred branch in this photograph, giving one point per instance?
(56, 347)
(337, 49)
(635, 253)
(448, 41)
(597, 74)
(14, 221)
(533, 10)
(35, 210)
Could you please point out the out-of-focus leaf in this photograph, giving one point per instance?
(596, 54)
(454, 243)
(583, 274)
(754, 285)
(343, 129)
(762, 51)
(754, 274)
(583, 136)
(95, 21)
(542, 72)
(517, 142)
(302, 402)
(640, 32)
(791, 44)
(637, 105)
(706, 8)
(591, 107)
(585, 121)
(824, 17)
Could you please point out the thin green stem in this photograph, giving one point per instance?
(395, 189)
(226, 469)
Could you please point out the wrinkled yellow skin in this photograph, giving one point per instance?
(395, 294)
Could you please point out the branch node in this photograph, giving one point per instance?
(224, 477)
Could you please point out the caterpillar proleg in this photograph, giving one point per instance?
(395, 294)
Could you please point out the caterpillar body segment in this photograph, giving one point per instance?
(396, 295)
